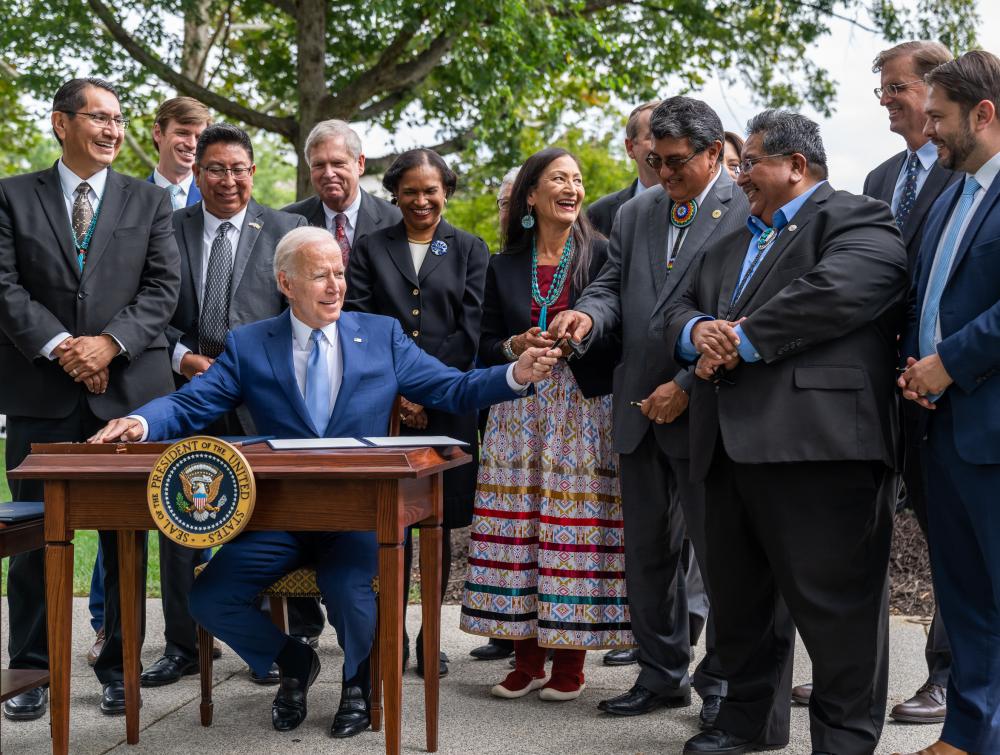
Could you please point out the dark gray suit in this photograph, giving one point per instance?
(880, 184)
(602, 212)
(658, 495)
(253, 297)
(794, 449)
(128, 288)
(374, 213)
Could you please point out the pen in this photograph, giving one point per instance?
(635, 403)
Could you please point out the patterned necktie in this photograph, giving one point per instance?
(318, 384)
(340, 233)
(175, 196)
(214, 322)
(908, 197)
(83, 212)
(941, 268)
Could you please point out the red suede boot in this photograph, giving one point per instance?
(528, 674)
(567, 676)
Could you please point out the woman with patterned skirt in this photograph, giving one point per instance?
(546, 560)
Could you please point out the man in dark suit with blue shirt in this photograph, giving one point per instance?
(951, 347)
(313, 371)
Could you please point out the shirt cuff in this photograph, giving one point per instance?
(50, 347)
(685, 348)
(179, 351)
(145, 425)
(121, 346)
(746, 349)
(512, 383)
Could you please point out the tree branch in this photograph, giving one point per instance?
(381, 106)
(449, 146)
(138, 151)
(184, 85)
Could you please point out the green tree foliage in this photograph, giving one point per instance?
(483, 69)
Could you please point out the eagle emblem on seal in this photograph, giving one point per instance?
(201, 483)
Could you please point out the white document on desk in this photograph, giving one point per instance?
(410, 441)
(305, 444)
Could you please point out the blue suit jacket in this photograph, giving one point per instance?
(379, 362)
(970, 322)
(193, 197)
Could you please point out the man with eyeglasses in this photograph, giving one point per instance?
(792, 321)
(89, 275)
(638, 143)
(910, 182)
(227, 244)
(655, 243)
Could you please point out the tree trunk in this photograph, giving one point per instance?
(311, 44)
(198, 34)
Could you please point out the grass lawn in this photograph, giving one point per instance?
(85, 550)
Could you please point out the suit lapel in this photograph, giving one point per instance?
(932, 236)
(369, 220)
(252, 224)
(112, 205)
(889, 178)
(353, 348)
(317, 216)
(193, 231)
(935, 183)
(658, 239)
(786, 238)
(53, 202)
(194, 195)
(445, 233)
(984, 209)
(399, 252)
(278, 347)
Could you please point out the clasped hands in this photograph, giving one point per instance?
(716, 341)
(86, 360)
(922, 377)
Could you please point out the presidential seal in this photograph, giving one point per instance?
(201, 492)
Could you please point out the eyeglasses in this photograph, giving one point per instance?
(894, 89)
(217, 172)
(656, 162)
(746, 165)
(100, 119)
(503, 203)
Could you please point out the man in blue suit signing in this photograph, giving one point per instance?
(952, 350)
(313, 371)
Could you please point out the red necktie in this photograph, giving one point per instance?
(340, 233)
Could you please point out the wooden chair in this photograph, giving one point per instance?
(300, 583)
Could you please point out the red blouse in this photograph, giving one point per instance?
(545, 275)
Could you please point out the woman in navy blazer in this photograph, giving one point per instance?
(430, 276)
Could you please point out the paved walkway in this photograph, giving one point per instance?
(471, 720)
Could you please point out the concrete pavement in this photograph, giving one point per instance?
(471, 720)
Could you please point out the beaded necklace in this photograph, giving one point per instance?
(83, 246)
(558, 280)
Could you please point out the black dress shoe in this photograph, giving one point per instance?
(353, 715)
(167, 670)
(639, 700)
(718, 741)
(624, 657)
(113, 699)
(305, 639)
(289, 707)
(709, 711)
(442, 664)
(494, 650)
(273, 676)
(28, 705)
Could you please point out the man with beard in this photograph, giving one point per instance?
(952, 350)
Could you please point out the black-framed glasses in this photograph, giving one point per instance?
(894, 89)
(239, 173)
(656, 162)
(503, 203)
(101, 119)
(746, 164)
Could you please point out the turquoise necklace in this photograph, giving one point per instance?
(558, 280)
(83, 246)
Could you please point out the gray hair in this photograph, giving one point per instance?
(293, 242)
(508, 180)
(786, 133)
(687, 118)
(926, 56)
(330, 130)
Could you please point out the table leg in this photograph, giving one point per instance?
(129, 553)
(430, 597)
(390, 597)
(59, 609)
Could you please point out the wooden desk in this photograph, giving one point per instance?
(385, 490)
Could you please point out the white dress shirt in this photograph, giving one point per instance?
(330, 348)
(352, 218)
(926, 157)
(68, 180)
(211, 224)
(165, 183)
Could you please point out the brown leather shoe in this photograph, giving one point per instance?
(802, 693)
(96, 648)
(938, 748)
(927, 706)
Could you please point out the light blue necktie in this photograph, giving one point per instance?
(318, 385)
(941, 269)
(175, 196)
